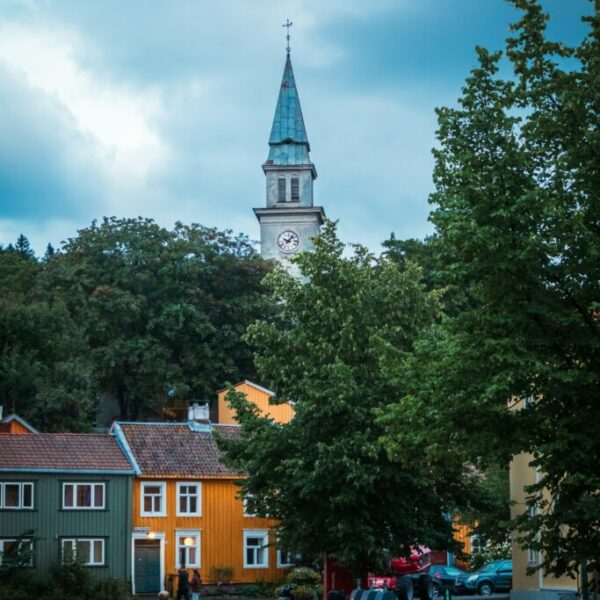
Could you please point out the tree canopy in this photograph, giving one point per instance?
(517, 217)
(325, 475)
(128, 315)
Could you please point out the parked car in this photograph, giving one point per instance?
(496, 576)
(447, 577)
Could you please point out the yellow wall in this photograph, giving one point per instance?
(222, 525)
(521, 475)
(282, 413)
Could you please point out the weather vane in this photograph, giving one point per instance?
(287, 25)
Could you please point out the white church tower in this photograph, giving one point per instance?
(289, 219)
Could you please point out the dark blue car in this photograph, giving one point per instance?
(447, 578)
(494, 577)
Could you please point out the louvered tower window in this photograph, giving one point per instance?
(295, 189)
(281, 189)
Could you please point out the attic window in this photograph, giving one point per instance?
(281, 189)
(295, 189)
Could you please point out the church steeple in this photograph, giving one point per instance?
(290, 219)
(288, 140)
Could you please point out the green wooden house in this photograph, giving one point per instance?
(74, 492)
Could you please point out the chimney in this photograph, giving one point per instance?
(198, 412)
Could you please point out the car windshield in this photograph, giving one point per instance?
(490, 567)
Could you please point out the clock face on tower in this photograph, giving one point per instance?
(288, 241)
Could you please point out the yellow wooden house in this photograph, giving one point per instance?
(187, 507)
(540, 585)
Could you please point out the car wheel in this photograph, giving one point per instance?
(435, 592)
(485, 589)
(405, 589)
(425, 587)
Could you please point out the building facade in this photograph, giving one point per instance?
(65, 497)
(187, 509)
(540, 585)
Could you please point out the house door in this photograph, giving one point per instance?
(147, 566)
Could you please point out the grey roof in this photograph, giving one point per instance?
(177, 449)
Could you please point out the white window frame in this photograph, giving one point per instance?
(29, 542)
(92, 541)
(246, 511)
(196, 535)
(21, 485)
(78, 484)
(256, 533)
(281, 564)
(198, 511)
(163, 499)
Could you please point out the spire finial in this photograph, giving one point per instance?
(287, 25)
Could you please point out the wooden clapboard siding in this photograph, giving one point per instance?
(222, 525)
(282, 413)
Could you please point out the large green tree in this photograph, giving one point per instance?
(163, 311)
(127, 317)
(45, 372)
(325, 475)
(517, 217)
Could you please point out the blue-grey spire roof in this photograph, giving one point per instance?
(288, 140)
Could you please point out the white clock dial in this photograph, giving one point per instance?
(288, 241)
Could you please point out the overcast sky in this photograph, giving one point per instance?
(163, 108)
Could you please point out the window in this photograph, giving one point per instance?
(153, 499)
(256, 552)
(89, 551)
(249, 508)
(16, 495)
(285, 557)
(22, 548)
(189, 499)
(295, 189)
(188, 549)
(281, 195)
(83, 496)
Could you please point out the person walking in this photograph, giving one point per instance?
(183, 583)
(195, 584)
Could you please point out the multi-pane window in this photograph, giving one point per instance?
(285, 557)
(88, 551)
(188, 548)
(295, 189)
(256, 551)
(189, 499)
(83, 496)
(21, 550)
(153, 499)
(16, 495)
(281, 195)
(249, 505)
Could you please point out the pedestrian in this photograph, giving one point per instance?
(195, 583)
(183, 583)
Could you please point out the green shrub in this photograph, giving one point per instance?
(306, 583)
(111, 589)
(71, 581)
(9, 592)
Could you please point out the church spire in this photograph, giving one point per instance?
(288, 141)
(290, 220)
